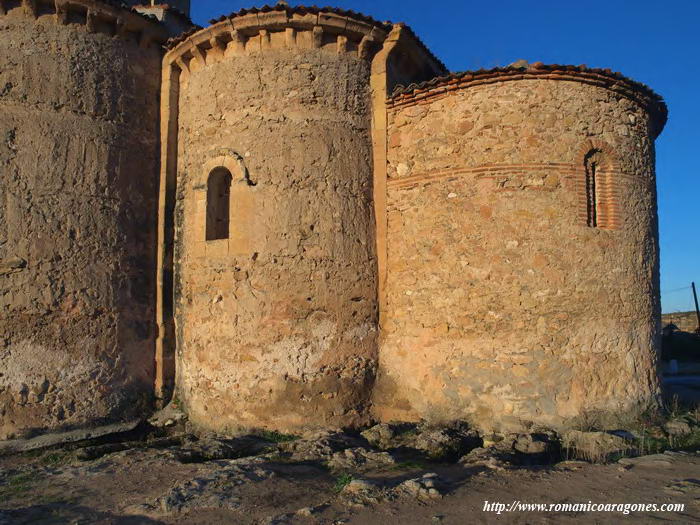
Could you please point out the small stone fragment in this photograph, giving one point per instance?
(360, 486)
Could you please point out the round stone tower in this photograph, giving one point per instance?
(275, 312)
(522, 247)
(79, 93)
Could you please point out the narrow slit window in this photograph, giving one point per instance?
(591, 194)
(595, 189)
(218, 204)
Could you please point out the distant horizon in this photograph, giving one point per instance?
(648, 44)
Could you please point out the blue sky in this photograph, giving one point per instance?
(652, 41)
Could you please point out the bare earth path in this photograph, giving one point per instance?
(153, 486)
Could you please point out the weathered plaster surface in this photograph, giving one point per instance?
(276, 326)
(79, 157)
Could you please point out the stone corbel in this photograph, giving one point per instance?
(290, 37)
(30, 7)
(342, 44)
(91, 21)
(182, 65)
(217, 44)
(317, 36)
(238, 40)
(61, 12)
(264, 39)
(198, 55)
(365, 47)
(120, 28)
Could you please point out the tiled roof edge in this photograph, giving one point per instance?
(654, 100)
(300, 9)
(424, 47)
(386, 26)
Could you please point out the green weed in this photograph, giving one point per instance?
(648, 425)
(55, 459)
(341, 482)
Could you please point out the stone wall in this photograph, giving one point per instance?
(498, 229)
(79, 161)
(276, 324)
(502, 305)
(685, 321)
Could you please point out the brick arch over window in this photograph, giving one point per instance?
(599, 205)
(612, 161)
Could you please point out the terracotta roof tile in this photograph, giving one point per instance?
(306, 9)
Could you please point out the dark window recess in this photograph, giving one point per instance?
(218, 204)
(592, 205)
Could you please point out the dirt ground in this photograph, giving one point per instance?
(163, 486)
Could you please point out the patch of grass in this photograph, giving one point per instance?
(647, 424)
(56, 499)
(656, 445)
(673, 408)
(16, 485)
(613, 458)
(410, 465)
(55, 459)
(341, 482)
(689, 442)
(277, 437)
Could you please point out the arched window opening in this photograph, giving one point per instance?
(592, 163)
(218, 204)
